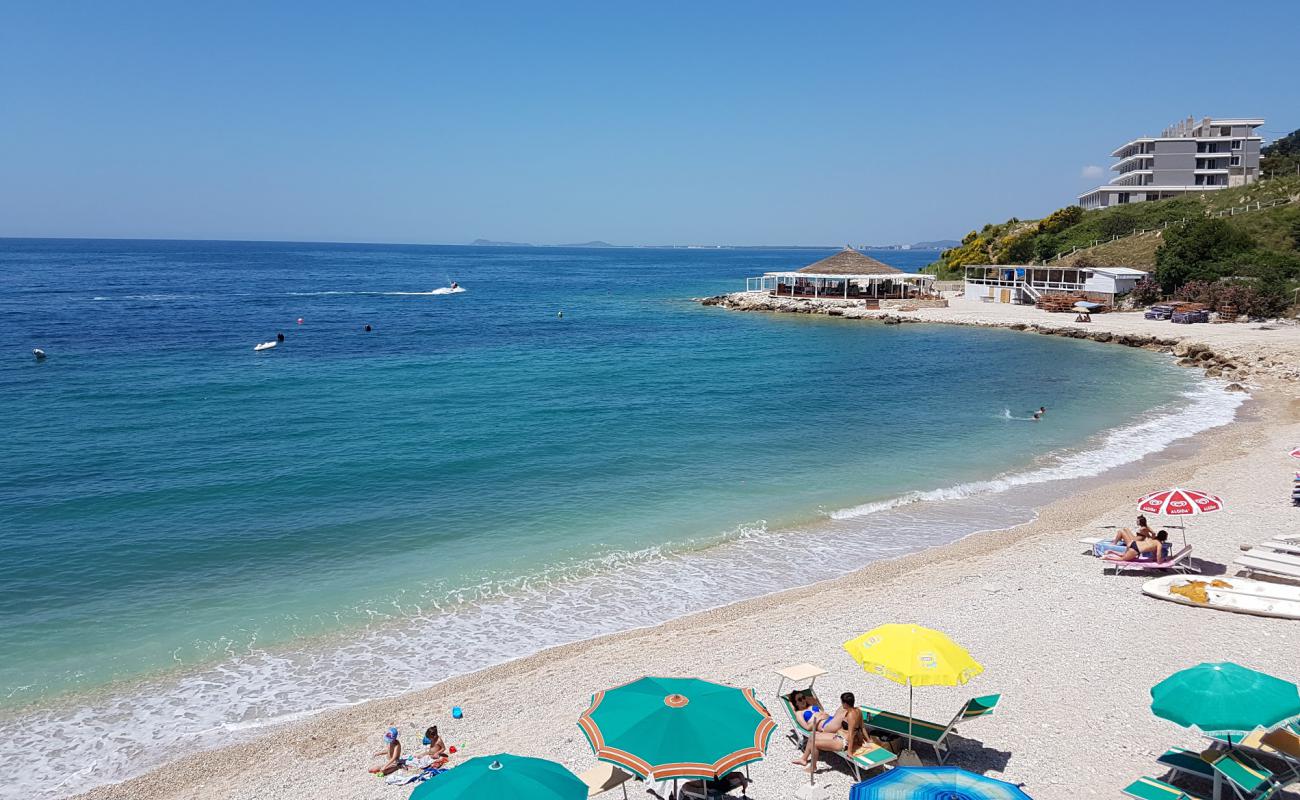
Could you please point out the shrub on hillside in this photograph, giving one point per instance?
(1146, 292)
(1198, 250)
(1046, 246)
(1061, 219)
(1015, 249)
(1120, 222)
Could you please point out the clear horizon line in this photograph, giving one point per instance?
(73, 237)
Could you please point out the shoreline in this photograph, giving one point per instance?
(1227, 350)
(340, 737)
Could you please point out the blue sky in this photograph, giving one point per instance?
(636, 123)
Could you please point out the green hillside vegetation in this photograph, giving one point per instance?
(1282, 157)
(1186, 241)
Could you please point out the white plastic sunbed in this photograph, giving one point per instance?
(1278, 546)
(1271, 562)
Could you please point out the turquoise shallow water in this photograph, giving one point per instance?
(195, 537)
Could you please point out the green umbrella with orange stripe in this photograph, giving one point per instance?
(671, 728)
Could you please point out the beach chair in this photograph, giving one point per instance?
(866, 758)
(1152, 789)
(1282, 745)
(1269, 562)
(931, 733)
(1248, 779)
(1278, 546)
(1180, 561)
(1181, 761)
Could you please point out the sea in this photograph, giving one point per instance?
(199, 540)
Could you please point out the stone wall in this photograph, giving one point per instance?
(934, 302)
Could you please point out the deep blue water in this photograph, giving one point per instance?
(173, 502)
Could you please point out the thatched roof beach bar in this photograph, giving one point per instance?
(847, 275)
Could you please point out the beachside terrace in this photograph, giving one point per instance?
(847, 275)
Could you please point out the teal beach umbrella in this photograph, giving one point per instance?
(1225, 699)
(669, 728)
(503, 775)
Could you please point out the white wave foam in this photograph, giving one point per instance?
(129, 730)
(1209, 407)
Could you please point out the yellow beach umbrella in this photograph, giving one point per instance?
(914, 655)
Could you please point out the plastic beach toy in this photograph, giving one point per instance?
(456, 713)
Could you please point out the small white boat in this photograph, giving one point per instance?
(449, 290)
(1239, 595)
(265, 346)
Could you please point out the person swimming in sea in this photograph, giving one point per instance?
(1040, 412)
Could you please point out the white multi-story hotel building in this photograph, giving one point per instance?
(1188, 157)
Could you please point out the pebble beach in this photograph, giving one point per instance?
(1072, 650)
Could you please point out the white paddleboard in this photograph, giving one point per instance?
(265, 346)
(1239, 595)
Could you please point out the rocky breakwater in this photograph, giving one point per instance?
(1235, 361)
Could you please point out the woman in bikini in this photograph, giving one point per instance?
(828, 732)
(1150, 547)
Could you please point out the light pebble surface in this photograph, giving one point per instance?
(1072, 650)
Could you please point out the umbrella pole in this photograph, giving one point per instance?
(909, 715)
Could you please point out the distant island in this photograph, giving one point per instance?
(594, 243)
(491, 243)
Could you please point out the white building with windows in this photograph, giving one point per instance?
(1028, 284)
(1187, 157)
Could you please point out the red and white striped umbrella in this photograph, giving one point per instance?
(1179, 502)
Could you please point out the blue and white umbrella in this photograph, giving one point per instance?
(935, 783)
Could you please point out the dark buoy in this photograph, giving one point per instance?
(39, 353)
(367, 329)
(279, 337)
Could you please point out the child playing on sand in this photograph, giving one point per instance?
(393, 751)
(435, 752)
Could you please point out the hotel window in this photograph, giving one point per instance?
(1235, 161)
(1236, 144)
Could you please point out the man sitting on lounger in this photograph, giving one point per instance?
(1147, 548)
(829, 732)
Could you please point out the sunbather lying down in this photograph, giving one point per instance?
(1142, 549)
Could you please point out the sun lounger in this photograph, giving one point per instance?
(1278, 547)
(1152, 789)
(1250, 781)
(1181, 561)
(1270, 562)
(866, 758)
(930, 733)
(1283, 745)
(1181, 761)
